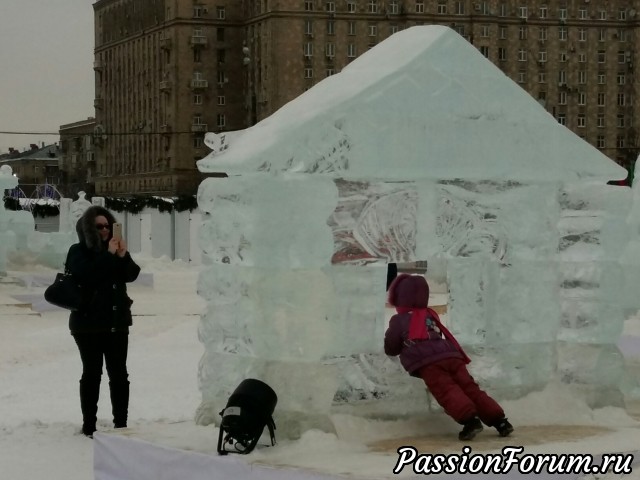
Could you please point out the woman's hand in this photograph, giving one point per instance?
(122, 248)
(113, 246)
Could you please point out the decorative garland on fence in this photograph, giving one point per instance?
(132, 205)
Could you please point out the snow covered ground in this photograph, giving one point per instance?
(40, 413)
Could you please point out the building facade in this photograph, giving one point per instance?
(167, 71)
(37, 169)
(78, 162)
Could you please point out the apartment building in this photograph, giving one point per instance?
(77, 160)
(169, 70)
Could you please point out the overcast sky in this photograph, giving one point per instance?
(46, 67)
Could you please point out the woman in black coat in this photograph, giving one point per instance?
(102, 266)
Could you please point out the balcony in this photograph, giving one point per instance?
(197, 83)
(198, 40)
(164, 85)
(98, 103)
(199, 127)
(165, 43)
(98, 65)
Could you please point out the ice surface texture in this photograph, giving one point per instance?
(419, 149)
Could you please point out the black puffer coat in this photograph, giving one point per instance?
(103, 276)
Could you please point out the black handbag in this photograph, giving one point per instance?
(64, 292)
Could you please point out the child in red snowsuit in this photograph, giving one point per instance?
(428, 350)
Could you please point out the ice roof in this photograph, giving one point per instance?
(422, 104)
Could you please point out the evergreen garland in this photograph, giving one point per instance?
(132, 205)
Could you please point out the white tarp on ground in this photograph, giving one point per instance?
(117, 457)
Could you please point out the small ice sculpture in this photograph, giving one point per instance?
(420, 148)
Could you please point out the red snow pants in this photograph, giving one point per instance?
(458, 393)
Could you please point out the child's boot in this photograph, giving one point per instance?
(470, 429)
(504, 428)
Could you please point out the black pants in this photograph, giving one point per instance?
(113, 347)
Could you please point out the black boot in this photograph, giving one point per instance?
(119, 391)
(470, 429)
(504, 428)
(89, 394)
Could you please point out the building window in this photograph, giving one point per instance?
(621, 78)
(562, 77)
(220, 34)
(621, 56)
(308, 27)
(562, 98)
(331, 27)
(351, 7)
(485, 31)
(602, 15)
(503, 10)
(522, 55)
(582, 98)
(308, 5)
(582, 77)
(222, 100)
(308, 49)
(522, 33)
(373, 6)
(523, 12)
(542, 56)
(562, 119)
(197, 55)
(393, 29)
(459, 8)
(221, 13)
(600, 120)
(352, 28)
(331, 7)
(620, 121)
(197, 11)
(600, 143)
(602, 34)
(544, 11)
(394, 8)
(621, 99)
(197, 120)
(601, 99)
(221, 120)
(197, 142)
(351, 50)
(602, 57)
(563, 57)
(562, 34)
(419, 7)
(503, 32)
(620, 141)
(582, 57)
(542, 34)
(502, 54)
(330, 50)
(622, 35)
(522, 77)
(197, 99)
(582, 121)
(542, 77)
(330, 71)
(373, 30)
(484, 51)
(308, 72)
(562, 14)
(222, 79)
(601, 78)
(442, 6)
(582, 14)
(622, 14)
(582, 34)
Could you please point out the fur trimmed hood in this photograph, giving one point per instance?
(86, 227)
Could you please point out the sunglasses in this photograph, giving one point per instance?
(103, 226)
